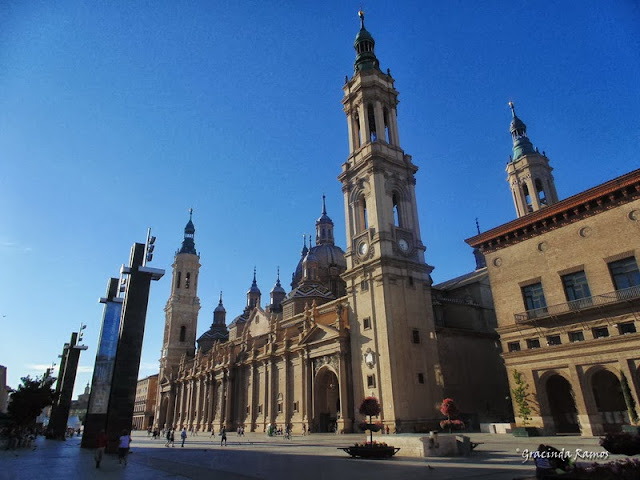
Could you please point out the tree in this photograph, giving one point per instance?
(30, 398)
(521, 397)
(629, 401)
(370, 407)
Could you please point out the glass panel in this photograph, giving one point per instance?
(534, 296)
(625, 273)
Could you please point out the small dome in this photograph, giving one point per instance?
(220, 307)
(363, 35)
(517, 124)
(190, 228)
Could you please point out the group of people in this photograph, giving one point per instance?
(124, 444)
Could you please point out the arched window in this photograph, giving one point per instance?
(358, 128)
(178, 277)
(363, 220)
(187, 280)
(542, 198)
(387, 133)
(183, 333)
(373, 136)
(396, 211)
(527, 197)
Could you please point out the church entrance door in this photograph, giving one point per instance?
(326, 401)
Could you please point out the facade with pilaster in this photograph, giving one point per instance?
(566, 286)
(356, 322)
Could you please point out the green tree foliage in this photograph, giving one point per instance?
(28, 400)
(628, 399)
(521, 396)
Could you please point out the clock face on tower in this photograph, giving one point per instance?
(363, 248)
(403, 245)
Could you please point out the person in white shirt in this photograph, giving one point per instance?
(124, 443)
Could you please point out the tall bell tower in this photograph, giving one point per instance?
(181, 311)
(528, 172)
(393, 342)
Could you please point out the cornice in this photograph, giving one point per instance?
(611, 194)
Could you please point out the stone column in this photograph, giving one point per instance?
(344, 422)
(171, 407)
(365, 132)
(228, 399)
(351, 128)
(393, 126)
(251, 396)
(588, 415)
(265, 412)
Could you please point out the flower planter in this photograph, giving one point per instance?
(371, 452)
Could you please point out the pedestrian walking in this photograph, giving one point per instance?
(173, 438)
(101, 443)
(183, 436)
(168, 438)
(123, 446)
(304, 429)
(223, 435)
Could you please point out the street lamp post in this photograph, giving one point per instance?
(64, 388)
(127, 360)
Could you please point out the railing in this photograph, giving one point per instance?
(580, 304)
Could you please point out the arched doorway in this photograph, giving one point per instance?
(562, 405)
(607, 392)
(326, 401)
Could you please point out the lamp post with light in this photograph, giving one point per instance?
(64, 388)
(127, 359)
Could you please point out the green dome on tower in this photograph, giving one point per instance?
(364, 45)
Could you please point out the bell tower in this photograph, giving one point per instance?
(528, 172)
(181, 311)
(394, 351)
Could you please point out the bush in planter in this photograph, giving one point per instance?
(626, 469)
(452, 425)
(621, 443)
(370, 407)
(450, 410)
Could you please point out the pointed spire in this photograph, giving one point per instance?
(253, 295)
(324, 226)
(304, 245)
(278, 279)
(188, 243)
(521, 143)
(364, 45)
(477, 226)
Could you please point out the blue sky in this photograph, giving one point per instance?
(117, 116)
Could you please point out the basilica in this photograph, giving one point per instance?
(359, 321)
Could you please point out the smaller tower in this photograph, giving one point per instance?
(277, 296)
(218, 331)
(324, 227)
(254, 294)
(528, 172)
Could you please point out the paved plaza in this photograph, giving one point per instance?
(256, 456)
